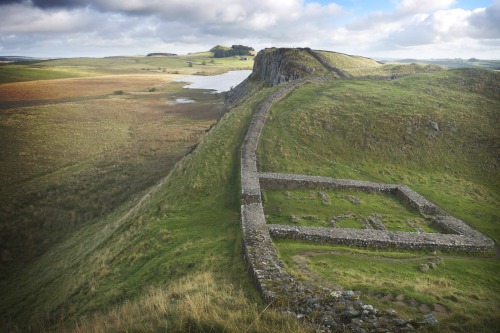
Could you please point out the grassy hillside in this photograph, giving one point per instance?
(435, 132)
(386, 131)
(456, 63)
(174, 259)
(72, 151)
(460, 291)
(167, 257)
(360, 66)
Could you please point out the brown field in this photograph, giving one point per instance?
(81, 87)
(66, 160)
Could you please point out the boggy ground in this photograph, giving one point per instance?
(72, 150)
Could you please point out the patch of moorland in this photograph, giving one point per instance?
(202, 63)
(435, 132)
(73, 89)
(172, 261)
(342, 209)
(462, 292)
(69, 162)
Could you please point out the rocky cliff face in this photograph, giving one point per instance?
(275, 66)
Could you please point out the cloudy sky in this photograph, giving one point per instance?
(384, 28)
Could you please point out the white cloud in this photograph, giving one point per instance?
(422, 6)
(485, 22)
(133, 26)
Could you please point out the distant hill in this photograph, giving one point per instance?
(455, 63)
(160, 54)
(18, 59)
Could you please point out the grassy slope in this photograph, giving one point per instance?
(360, 66)
(175, 261)
(68, 162)
(183, 243)
(382, 131)
(466, 287)
(203, 64)
(457, 63)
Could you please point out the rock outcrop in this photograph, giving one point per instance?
(276, 66)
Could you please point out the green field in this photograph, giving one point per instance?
(457, 63)
(169, 254)
(435, 132)
(462, 292)
(202, 64)
(342, 209)
(383, 131)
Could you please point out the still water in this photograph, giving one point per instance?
(219, 83)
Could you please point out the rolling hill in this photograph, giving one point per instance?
(172, 257)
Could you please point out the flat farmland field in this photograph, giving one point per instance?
(73, 150)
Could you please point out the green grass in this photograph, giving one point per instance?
(189, 226)
(381, 131)
(171, 255)
(349, 208)
(467, 287)
(70, 163)
(202, 64)
(18, 73)
(458, 63)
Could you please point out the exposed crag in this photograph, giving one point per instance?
(275, 66)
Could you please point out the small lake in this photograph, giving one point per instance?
(219, 83)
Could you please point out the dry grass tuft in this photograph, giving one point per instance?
(197, 303)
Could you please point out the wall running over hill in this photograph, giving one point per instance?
(331, 310)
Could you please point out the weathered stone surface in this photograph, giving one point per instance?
(423, 267)
(369, 238)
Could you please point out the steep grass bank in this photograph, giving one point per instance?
(183, 243)
(435, 132)
(67, 163)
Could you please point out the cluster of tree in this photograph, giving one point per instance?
(160, 54)
(235, 50)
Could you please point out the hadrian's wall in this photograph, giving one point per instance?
(333, 311)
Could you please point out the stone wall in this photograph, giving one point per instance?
(380, 239)
(465, 239)
(250, 187)
(330, 310)
(325, 64)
